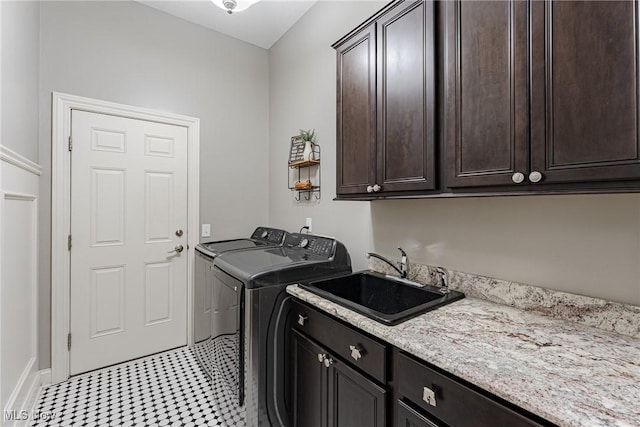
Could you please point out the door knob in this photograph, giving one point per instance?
(535, 176)
(179, 233)
(517, 177)
(177, 249)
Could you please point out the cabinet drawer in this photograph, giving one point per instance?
(451, 402)
(340, 339)
(407, 417)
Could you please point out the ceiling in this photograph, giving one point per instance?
(262, 24)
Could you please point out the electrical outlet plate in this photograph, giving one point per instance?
(308, 223)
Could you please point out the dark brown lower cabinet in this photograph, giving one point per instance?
(309, 384)
(446, 401)
(335, 386)
(328, 393)
(409, 417)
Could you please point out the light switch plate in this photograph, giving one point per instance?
(206, 230)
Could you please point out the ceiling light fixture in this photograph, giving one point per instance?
(231, 6)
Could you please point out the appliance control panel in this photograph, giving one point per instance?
(271, 235)
(322, 246)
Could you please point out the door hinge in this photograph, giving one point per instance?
(69, 342)
(70, 143)
(69, 242)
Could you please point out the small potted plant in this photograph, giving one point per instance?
(308, 136)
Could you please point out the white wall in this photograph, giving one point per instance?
(302, 83)
(20, 57)
(132, 54)
(581, 244)
(19, 176)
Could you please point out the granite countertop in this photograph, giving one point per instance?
(565, 372)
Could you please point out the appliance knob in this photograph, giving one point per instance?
(535, 176)
(304, 243)
(517, 177)
(376, 188)
(369, 189)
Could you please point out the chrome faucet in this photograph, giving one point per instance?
(403, 264)
(443, 280)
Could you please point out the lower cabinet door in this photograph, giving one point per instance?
(309, 384)
(408, 417)
(354, 400)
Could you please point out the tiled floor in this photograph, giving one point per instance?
(168, 389)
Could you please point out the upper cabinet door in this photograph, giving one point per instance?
(584, 91)
(356, 113)
(486, 128)
(406, 98)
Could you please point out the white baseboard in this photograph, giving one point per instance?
(23, 397)
(45, 377)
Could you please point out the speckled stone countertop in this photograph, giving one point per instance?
(565, 372)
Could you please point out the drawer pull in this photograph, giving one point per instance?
(301, 319)
(429, 396)
(356, 352)
(328, 362)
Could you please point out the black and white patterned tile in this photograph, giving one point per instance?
(168, 389)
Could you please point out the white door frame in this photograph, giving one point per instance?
(61, 212)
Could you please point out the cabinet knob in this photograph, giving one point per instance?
(369, 189)
(535, 176)
(356, 352)
(328, 362)
(376, 188)
(301, 319)
(321, 357)
(429, 396)
(517, 177)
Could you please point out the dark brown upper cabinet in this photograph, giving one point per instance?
(356, 118)
(486, 93)
(584, 91)
(575, 63)
(386, 103)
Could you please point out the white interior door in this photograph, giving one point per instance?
(128, 214)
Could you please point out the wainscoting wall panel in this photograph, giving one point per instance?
(19, 376)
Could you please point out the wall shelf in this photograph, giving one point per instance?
(309, 171)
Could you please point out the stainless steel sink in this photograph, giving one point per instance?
(383, 298)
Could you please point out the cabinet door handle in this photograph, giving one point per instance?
(376, 188)
(535, 176)
(517, 177)
(328, 362)
(429, 396)
(356, 352)
(369, 189)
(301, 319)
